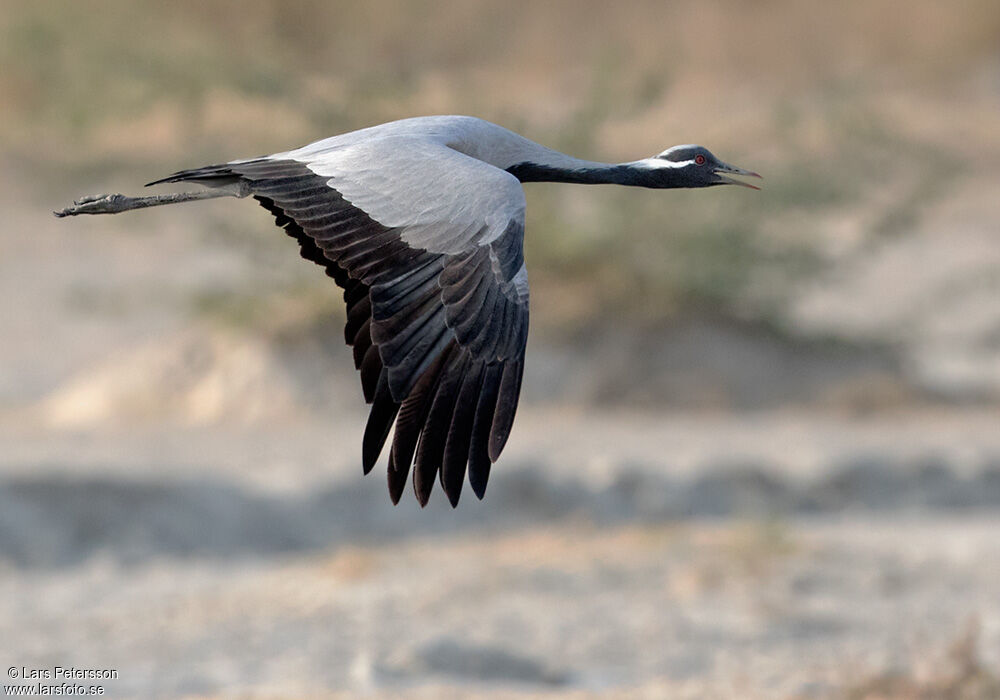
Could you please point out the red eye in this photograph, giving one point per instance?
(699, 159)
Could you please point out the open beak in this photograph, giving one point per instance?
(733, 170)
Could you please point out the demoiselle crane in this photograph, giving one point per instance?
(421, 222)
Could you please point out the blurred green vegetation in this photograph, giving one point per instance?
(121, 91)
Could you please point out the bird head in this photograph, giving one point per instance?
(696, 166)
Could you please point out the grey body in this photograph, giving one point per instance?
(421, 221)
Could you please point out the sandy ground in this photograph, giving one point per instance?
(757, 558)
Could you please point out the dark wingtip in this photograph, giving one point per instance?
(453, 495)
(422, 487)
(368, 461)
(371, 448)
(479, 490)
(396, 477)
(423, 498)
(479, 475)
(498, 440)
(394, 493)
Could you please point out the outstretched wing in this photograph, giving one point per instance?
(427, 244)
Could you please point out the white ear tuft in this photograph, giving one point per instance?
(670, 150)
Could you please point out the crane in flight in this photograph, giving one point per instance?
(421, 222)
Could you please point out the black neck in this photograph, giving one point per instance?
(621, 174)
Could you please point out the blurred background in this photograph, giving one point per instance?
(758, 453)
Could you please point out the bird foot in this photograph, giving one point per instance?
(96, 204)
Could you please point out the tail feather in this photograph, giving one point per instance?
(209, 175)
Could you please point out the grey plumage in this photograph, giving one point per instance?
(421, 222)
